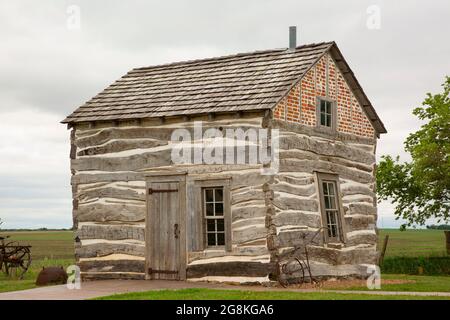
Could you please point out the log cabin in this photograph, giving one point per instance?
(141, 213)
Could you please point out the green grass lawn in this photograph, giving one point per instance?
(413, 243)
(212, 294)
(418, 284)
(49, 248)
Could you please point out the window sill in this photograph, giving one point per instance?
(215, 249)
(335, 245)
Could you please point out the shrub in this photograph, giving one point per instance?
(417, 265)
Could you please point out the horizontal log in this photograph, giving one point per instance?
(304, 191)
(111, 232)
(161, 134)
(112, 266)
(247, 195)
(249, 233)
(245, 178)
(305, 155)
(85, 178)
(257, 242)
(121, 145)
(111, 275)
(284, 202)
(296, 218)
(230, 268)
(112, 212)
(295, 237)
(248, 222)
(294, 180)
(318, 132)
(361, 208)
(204, 170)
(247, 212)
(359, 222)
(326, 148)
(102, 249)
(110, 192)
(357, 198)
(295, 165)
(237, 251)
(129, 163)
(348, 189)
(340, 257)
(361, 238)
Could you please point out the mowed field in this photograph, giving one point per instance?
(45, 244)
(49, 248)
(413, 243)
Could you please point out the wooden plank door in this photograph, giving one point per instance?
(165, 230)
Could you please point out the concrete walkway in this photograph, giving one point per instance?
(93, 289)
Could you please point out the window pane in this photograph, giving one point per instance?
(219, 209)
(331, 188)
(219, 195)
(322, 106)
(331, 217)
(210, 209)
(332, 201)
(328, 107)
(221, 239)
(210, 225)
(332, 231)
(323, 119)
(209, 195)
(220, 225)
(211, 239)
(328, 120)
(325, 188)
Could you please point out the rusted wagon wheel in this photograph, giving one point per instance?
(294, 266)
(17, 262)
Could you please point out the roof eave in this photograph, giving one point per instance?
(357, 90)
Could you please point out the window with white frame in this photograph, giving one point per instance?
(213, 208)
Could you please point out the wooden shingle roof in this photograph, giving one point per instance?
(241, 82)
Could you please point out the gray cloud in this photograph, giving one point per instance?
(47, 70)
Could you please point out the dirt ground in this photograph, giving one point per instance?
(343, 284)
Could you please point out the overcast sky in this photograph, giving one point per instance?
(50, 64)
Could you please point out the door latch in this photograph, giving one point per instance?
(176, 230)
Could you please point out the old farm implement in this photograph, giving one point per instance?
(15, 259)
(298, 265)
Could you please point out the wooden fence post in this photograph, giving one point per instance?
(383, 250)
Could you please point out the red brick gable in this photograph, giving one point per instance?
(324, 79)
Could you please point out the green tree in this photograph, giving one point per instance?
(420, 189)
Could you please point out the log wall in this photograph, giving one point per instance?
(294, 200)
(270, 215)
(109, 162)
